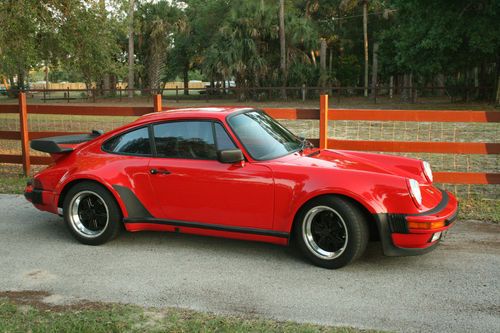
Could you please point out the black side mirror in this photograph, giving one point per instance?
(230, 156)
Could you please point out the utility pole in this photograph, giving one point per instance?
(365, 35)
(131, 49)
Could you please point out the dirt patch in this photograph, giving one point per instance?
(43, 300)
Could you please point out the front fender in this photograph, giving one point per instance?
(378, 193)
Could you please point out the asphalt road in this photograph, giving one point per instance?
(455, 288)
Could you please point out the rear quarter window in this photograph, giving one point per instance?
(135, 142)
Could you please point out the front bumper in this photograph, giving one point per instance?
(400, 240)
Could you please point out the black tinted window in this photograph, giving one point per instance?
(224, 142)
(185, 139)
(133, 143)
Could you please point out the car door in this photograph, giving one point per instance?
(191, 185)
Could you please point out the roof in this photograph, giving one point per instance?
(192, 113)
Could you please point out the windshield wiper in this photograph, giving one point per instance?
(304, 144)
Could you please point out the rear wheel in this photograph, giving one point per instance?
(331, 231)
(91, 213)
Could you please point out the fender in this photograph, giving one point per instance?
(87, 176)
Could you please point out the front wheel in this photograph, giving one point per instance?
(331, 231)
(91, 213)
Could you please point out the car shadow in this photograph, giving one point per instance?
(54, 230)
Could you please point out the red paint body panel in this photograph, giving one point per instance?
(203, 232)
(264, 195)
(214, 192)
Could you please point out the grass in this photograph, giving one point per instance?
(470, 208)
(22, 314)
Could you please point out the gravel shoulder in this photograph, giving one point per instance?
(455, 288)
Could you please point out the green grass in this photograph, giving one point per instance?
(36, 316)
(480, 209)
(12, 184)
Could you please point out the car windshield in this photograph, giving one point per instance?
(262, 136)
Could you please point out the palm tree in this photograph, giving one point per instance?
(131, 49)
(282, 47)
(158, 22)
(348, 5)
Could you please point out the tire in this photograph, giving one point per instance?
(331, 231)
(91, 213)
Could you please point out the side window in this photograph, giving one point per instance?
(185, 139)
(133, 143)
(223, 140)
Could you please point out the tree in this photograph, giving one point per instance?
(158, 22)
(448, 37)
(19, 50)
(191, 43)
(88, 41)
(282, 47)
(131, 48)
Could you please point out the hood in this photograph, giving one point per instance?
(361, 161)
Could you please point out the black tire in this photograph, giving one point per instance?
(84, 208)
(331, 231)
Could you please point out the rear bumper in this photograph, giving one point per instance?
(41, 199)
(399, 240)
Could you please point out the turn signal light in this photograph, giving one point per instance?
(426, 225)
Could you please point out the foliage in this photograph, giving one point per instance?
(455, 40)
(157, 23)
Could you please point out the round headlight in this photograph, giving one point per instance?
(414, 188)
(427, 170)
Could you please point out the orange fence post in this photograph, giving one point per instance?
(157, 102)
(323, 121)
(23, 131)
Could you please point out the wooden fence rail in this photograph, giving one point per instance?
(323, 114)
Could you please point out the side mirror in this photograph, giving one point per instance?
(230, 156)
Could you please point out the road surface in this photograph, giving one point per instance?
(455, 288)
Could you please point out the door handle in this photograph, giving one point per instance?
(159, 171)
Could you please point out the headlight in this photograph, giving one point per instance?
(415, 191)
(427, 170)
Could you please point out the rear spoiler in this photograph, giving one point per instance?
(51, 145)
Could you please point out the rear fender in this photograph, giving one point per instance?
(69, 182)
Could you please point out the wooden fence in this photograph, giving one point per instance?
(324, 114)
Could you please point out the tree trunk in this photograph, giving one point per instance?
(113, 82)
(497, 98)
(283, 47)
(323, 76)
(391, 86)
(440, 84)
(185, 73)
(365, 37)
(410, 85)
(106, 84)
(46, 74)
(20, 80)
(405, 95)
(374, 69)
(131, 49)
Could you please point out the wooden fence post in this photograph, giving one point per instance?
(157, 103)
(23, 131)
(323, 121)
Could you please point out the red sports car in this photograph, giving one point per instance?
(238, 173)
